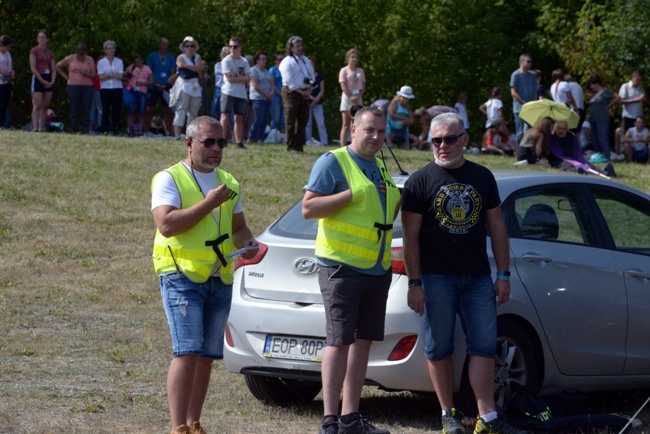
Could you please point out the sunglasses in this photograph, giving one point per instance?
(234, 47)
(210, 142)
(450, 140)
(189, 46)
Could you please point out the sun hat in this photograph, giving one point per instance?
(406, 92)
(189, 39)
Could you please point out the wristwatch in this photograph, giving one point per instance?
(503, 275)
(414, 282)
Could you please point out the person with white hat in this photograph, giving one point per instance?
(399, 118)
(186, 94)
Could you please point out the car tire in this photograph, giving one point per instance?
(515, 366)
(280, 391)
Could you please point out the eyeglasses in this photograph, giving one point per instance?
(233, 47)
(450, 140)
(189, 46)
(211, 141)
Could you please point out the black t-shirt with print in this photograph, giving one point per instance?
(453, 204)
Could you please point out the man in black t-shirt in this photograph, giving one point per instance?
(447, 208)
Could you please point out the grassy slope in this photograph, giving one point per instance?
(84, 344)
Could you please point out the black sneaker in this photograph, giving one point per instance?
(329, 428)
(241, 146)
(609, 170)
(497, 426)
(360, 425)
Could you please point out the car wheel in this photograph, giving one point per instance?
(280, 391)
(515, 366)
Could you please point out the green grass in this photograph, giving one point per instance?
(85, 345)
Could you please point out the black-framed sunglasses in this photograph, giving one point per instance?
(189, 46)
(234, 47)
(451, 139)
(211, 141)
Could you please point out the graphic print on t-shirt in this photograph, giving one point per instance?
(458, 207)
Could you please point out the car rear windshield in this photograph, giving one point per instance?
(293, 225)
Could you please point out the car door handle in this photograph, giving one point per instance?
(534, 258)
(638, 274)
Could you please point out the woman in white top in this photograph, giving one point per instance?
(492, 108)
(353, 85)
(110, 70)
(190, 72)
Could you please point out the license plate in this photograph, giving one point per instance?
(294, 348)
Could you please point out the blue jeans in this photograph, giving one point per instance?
(139, 103)
(520, 128)
(196, 313)
(215, 108)
(600, 136)
(474, 300)
(96, 110)
(277, 113)
(261, 109)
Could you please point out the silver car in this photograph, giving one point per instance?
(578, 316)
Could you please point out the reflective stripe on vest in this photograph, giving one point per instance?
(355, 234)
(187, 252)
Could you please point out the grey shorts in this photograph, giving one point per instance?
(232, 104)
(355, 304)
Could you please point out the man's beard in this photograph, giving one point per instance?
(448, 163)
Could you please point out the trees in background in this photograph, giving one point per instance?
(438, 49)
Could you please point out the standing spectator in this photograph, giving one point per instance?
(110, 70)
(96, 104)
(215, 109)
(195, 275)
(234, 98)
(353, 84)
(399, 118)
(261, 93)
(578, 97)
(187, 96)
(43, 68)
(205, 90)
(277, 108)
(163, 69)
(560, 89)
(599, 104)
(316, 109)
(493, 108)
(631, 97)
(636, 142)
(297, 84)
(522, 88)
(355, 200)
(449, 272)
(539, 89)
(81, 73)
(140, 78)
(7, 76)
(461, 108)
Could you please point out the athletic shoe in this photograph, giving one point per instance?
(451, 424)
(197, 428)
(360, 426)
(241, 146)
(609, 170)
(497, 426)
(329, 428)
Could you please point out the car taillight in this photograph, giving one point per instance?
(261, 252)
(397, 260)
(229, 340)
(403, 348)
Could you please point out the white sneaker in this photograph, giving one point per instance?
(618, 157)
(313, 142)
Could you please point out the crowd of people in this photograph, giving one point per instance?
(285, 100)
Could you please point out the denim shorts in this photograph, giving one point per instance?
(355, 304)
(196, 313)
(474, 300)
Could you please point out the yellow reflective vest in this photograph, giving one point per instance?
(188, 252)
(356, 233)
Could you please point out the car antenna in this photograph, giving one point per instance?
(401, 171)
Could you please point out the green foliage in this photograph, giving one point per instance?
(439, 48)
